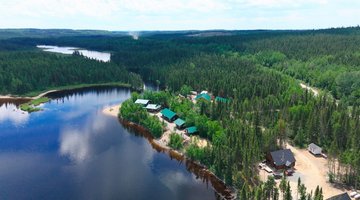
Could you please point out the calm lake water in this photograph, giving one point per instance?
(71, 150)
(101, 56)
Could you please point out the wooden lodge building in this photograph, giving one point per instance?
(281, 159)
(343, 196)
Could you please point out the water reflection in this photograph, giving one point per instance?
(76, 143)
(101, 56)
(10, 113)
(90, 156)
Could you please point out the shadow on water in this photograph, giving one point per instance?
(200, 171)
(10, 101)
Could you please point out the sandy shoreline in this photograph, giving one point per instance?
(112, 110)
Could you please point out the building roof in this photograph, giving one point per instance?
(222, 100)
(203, 96)
(168, 113)
(179, 122)
(343, 196)
(153, 107)
(191, 130)
(283, 157)
(142, 101)
(314, 146)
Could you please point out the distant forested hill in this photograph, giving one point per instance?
(23, 72)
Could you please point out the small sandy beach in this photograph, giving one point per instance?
(112, 110)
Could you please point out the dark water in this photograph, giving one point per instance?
(73, 151)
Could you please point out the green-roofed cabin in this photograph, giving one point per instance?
(191, 130)
(222, 100)
(179, 123)
(168, 115)
(204, 96)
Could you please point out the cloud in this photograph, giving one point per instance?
(175, 14)
(78, 144)
(283, 3)
(12, 114)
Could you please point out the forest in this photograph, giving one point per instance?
(27, 71)
(259, 71)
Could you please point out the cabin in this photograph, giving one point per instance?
(204, 96)
(168, 115)
(193, 93)
(281, 159)
(222, 99)
(191, 130)
(343, 196)
(153, 108)
(143, 102)
(314, 149)
(179, 123)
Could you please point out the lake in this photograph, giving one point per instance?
(71, 150)
(100, 56)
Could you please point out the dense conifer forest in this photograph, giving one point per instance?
(260, 71)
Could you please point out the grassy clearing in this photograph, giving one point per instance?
(31, 106)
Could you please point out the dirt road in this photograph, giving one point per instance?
(312, 171)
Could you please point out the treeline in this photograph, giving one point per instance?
(226, 75)
(23, 72)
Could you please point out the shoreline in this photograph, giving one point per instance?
(36, 94)
(196, 168)
(10, 96)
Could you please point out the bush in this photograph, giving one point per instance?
(176, 141)
(196, 153)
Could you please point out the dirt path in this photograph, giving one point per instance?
(312, 171)
(315, 91)
(170, 128)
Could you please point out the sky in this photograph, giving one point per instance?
(137, 15)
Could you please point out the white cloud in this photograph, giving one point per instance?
(284, 3)
(12, 114)
(175, 14)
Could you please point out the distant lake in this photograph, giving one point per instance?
(71, 150)
(101, 56)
